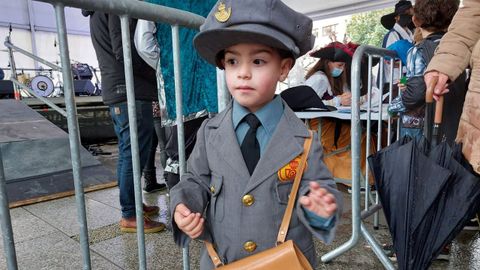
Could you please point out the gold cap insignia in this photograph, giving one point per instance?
(289, 171)
(223, 13)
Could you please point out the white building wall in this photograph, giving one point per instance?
(321, 27)
(42, 18)
(80, 47)
(22, 39)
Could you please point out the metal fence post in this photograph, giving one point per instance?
(73, 132)
(6, 223)
(13, 69)
(355, 153)
(357, 226)
(132, 120)
(367, 150)
(180, 127)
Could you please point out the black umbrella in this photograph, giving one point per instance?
(426, 192)
(404, 175)
(453, 207)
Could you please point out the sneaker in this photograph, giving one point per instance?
(390, 252)
(150, 210)
(129, 225)
(151, 184)
(444, 254)
(472, 225)
(154, 187)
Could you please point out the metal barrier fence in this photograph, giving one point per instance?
(134, 9)
(125, 9)
(371, 207)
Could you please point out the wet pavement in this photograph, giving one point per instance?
(46, 236)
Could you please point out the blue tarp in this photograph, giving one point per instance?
(401, 47)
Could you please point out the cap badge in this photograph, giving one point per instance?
(223, 13)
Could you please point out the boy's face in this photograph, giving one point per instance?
(252, 72)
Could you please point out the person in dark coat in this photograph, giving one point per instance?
(432, 26)
(106, 36)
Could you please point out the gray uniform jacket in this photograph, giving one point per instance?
(217, 181)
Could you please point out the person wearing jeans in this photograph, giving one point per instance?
(119, 113)
(106, 36)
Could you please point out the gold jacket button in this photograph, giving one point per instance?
(212, 189)
(248, 200)
(250, 246)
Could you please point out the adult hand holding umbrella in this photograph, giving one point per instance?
(426, 193)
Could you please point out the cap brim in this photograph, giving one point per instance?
(388, 21)
(209, 43)
(303, 97)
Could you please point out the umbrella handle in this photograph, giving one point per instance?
(429, 100)
(438, 111)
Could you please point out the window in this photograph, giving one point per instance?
(329, 29)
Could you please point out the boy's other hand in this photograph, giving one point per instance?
(190, 223)
(319, 201)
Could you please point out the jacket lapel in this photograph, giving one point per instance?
(224, 141)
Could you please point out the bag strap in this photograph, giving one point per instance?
(213, 255)
(282, 233)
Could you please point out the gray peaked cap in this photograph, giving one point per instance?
(268, 22)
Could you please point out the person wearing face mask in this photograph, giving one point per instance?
(400, 26)
(328, 77)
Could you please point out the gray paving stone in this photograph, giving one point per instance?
(161, 251)
(108, 196)
(62, 214)
(27, 226)
(55, 251)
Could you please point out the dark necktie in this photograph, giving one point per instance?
(250, 146)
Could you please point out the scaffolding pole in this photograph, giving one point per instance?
(73, 133)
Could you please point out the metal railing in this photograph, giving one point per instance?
(126, 9)
(18, 85)
(371, 207)
(134, 9)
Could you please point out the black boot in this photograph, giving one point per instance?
(171, 179)
(151, 184)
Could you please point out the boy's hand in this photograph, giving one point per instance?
(190, 223)
(319, 201)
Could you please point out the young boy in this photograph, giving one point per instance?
(225, 196)
(432, 18)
